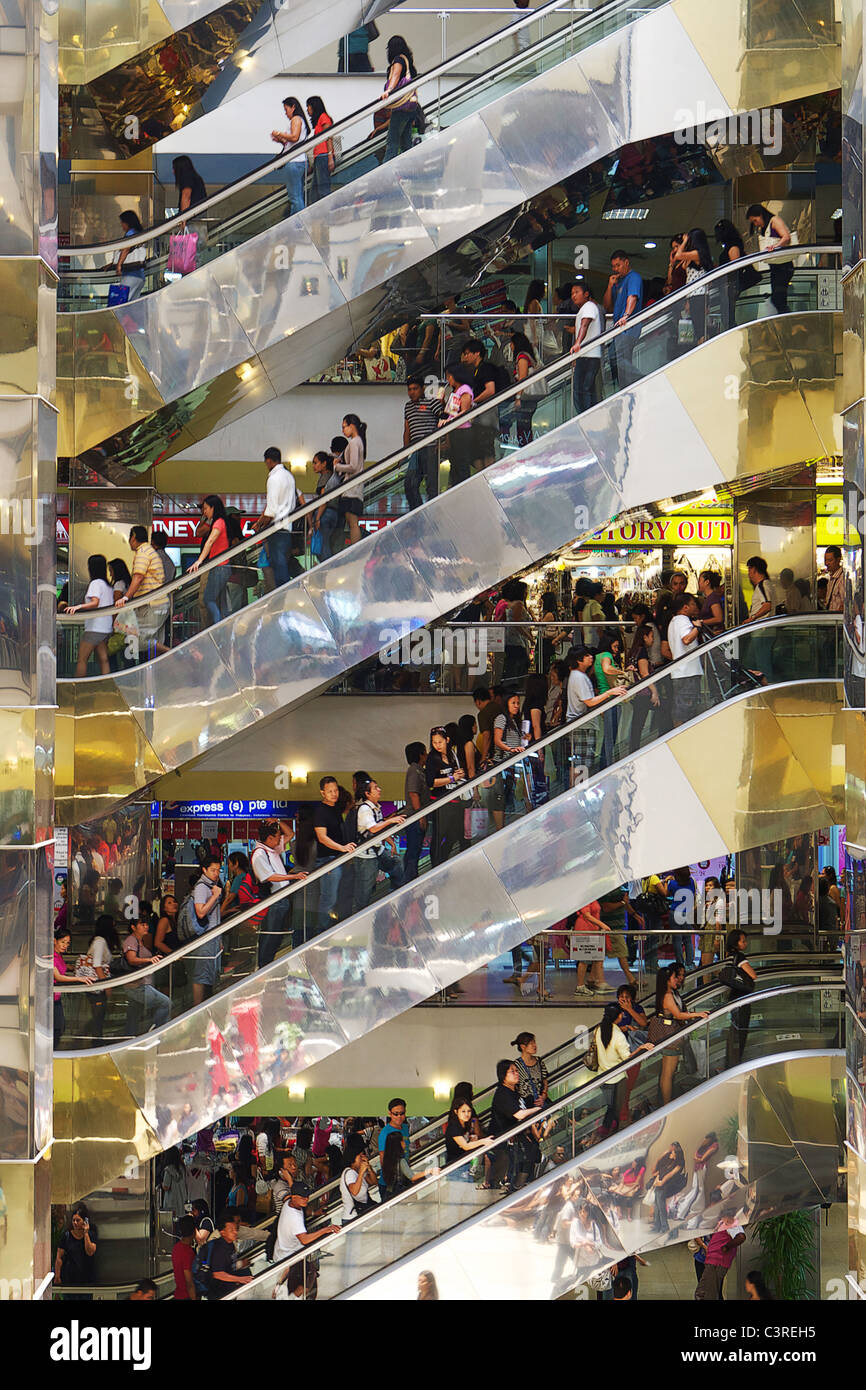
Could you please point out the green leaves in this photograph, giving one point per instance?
(788, 1245)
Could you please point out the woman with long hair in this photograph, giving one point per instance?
(694, 253)
(405, 111)
(325, 521)
(612, 1048)
(395, 1174)
(442, 774)
(190, 192)
(165, 937)
(534, 327)
(732, 248)
(294, 169)
(351, 465)
(96, 631)
(670, 1007)
(95, 964)
(132, 277)
(524, 404)
(215, 598)
(775, 234)
(647, 698)
(119, 577)
(324, 161)
(669, 1177)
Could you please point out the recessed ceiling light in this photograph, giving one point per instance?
(650, 245)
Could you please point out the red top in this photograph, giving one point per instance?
(181, 1259)
(221, 541)
(322, 124)
(581, 924)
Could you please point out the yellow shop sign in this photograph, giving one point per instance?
(668, 530)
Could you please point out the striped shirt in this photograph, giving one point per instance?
(147, 563)
(422, 418)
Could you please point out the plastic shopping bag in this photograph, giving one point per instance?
(182, 249)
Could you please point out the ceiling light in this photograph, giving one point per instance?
(650, 245)
(625, 214)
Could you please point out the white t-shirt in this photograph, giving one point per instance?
(265, 863)
(98, 589)
(580, 689)
(349, 1210)
(369, 817)
(678, 628)
(282, 495)
(763, 593)
(290, 1225)
(590, 312)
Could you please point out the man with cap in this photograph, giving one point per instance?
(292, 1233)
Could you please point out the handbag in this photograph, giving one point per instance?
(316, 544)
(590, 1057)
(730, 976)
(600, 1282)
(182, 250)
(660, 1029)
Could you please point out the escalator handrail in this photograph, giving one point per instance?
(435, 1126)
(596, 1080)
(388, 464)
(346, 122)
(776, 624)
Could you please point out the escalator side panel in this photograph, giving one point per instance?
(273, 1025)
(499, 1255)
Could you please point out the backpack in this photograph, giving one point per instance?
(188, 926)
(201, 1269)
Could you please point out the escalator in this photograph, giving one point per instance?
(548, 845)
(281, 298)
(762, 1095)
(663, 435)
(170, 64)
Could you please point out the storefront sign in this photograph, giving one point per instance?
(667, 530)
(221, 810)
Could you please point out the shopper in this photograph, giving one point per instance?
(645, 700)
(351, 465)
(182, 1257)
(834, 598)
(694, 253)
(270, 873)
(94, 964)
(608, 671)
(417, 797)
(669, 1177)
(623, 298)
(328, 827)
(280, 502)
(76, 1255)
(443, 774)
(524, 405)
(682, 894)
(587, 327)
(215, 588)
(223, 1260)
(507, 1111)
(61, 946)
(172, 1185)
(190, 189)
(458, 406)
(487, 380)
(670, 1007)
(294, 170)
(324, 160)
(740, 978)
(533, 325)
(773, 235)
(326, 520)
(131, 262)
(381, 858)
(712, 613)
(159, 541)
(763, 596)
(531, 1070)
(207, 957)
(147, 575)
(756, 1289)
(421, 418)
(721, 1250)
(612, 1048)
(145, 1003)
(97, 631)
(631, 1019)
(406, 111)
(581, 698)
(684, 630)
(732, 248)
(488, 708)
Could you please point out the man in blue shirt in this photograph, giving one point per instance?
(396, 1124)
(623, 298)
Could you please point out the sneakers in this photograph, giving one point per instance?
(581, 992)
(602, 989)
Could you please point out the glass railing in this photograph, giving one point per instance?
(800, 1018)
(701, 990)
(787, 650)
(387, 490)
(547, 37)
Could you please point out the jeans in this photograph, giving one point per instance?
(611, 729)
(215, 596)
(326, 531)
(684, 949)
(321, 178)
(367, 871)
(660, 1220)
(272, 931)
(423, 467)
(329, 886)
(414, 841)
(400, 130)
(279, 547)
(583, 382)
(146, 1002)
(620, 353)
(293, 173)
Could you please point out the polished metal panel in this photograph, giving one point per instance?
(453, 920)
(568, 483)
(396, 216)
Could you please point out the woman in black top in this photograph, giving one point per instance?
(534, 700)
(731, 248)
(669, 1177)
(743, 976)
(443, 774)
(190, 192)
(768, 225)
(461, 1137)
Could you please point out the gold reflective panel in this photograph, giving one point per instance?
(765, 780)
(764, 52)
(102, 386)
(102, 753)
(99, 1131)
(27, 293)
(759, 397)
